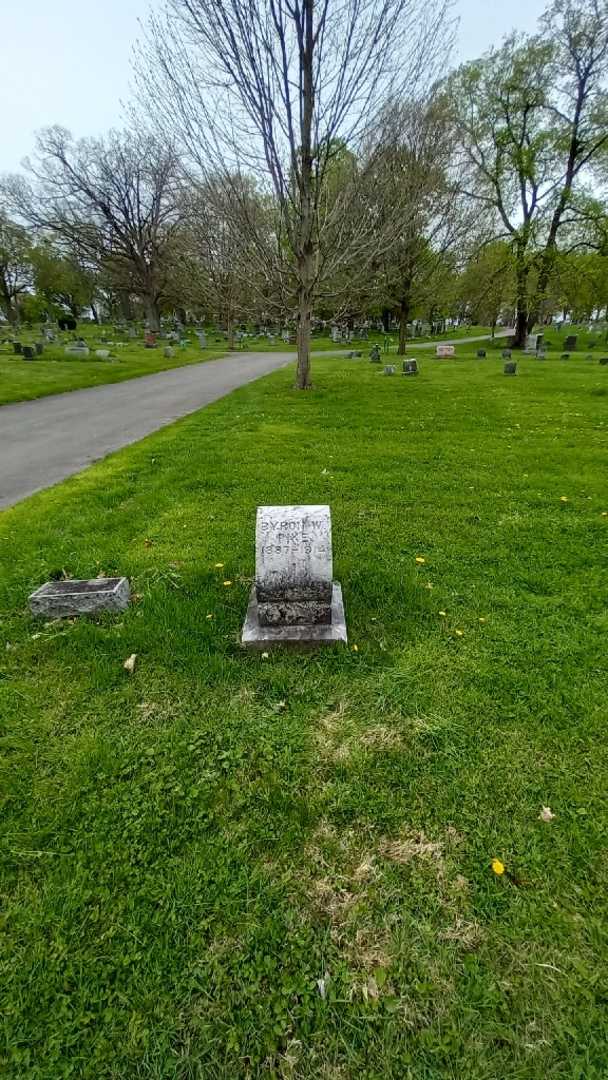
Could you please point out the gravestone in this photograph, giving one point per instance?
(571, 343)
(565, 356)
(39, 346)
(481, 353)
(202, 339)
(131, 333)
(168, 352)
(389, 369)
(445, 351)
(150, 339)
(603, 361)
(76, 350)
(410, 367)
(294, 600)
(17, 348)
(510, 367)
(102, 354)
(336, 335)
(29, 352)
(374, 356)
(58, 599)
(506, 354)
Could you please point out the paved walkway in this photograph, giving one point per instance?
(44, 441)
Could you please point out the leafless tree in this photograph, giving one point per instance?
(16, 272)
(414, 187)
(113, 201)
(278, 89)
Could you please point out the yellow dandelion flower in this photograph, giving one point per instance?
(459, 633)
(420, 560)
(481, 619)
(219, 566)
(209, 616)
(498, 867)
(604, 513)
(355, 648)
(443, 614)
(563, 498)
(227, 583)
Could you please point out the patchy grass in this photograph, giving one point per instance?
(228, 866)
(55, 372)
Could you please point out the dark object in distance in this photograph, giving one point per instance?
(410, 367)
(67, 324)
(29, 352)
(506, 354)
(39, 348)
(374, 356)
(17, 348)
(481, 353)
(571, 343)
(511, 367)
(603, 360)
(565, 356)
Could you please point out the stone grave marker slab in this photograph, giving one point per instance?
(571, 343)
(58, 599)
(511, 367)
(445, 351)
(294, 600)
(410, 367)
(389, 369)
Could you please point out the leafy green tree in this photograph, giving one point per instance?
(63, 281)
(532, 120)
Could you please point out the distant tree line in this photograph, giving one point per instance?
(312, 161)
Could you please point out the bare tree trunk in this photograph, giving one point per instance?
(522, 316)
(304, 328)
(152, 313)
(404, 310)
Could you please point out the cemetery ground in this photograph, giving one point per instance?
(227, 864)
(55, 372)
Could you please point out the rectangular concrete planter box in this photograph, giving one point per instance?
(59, 599)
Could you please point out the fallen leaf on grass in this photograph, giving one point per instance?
(129, 665)
(546, 814)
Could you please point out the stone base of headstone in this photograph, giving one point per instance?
(60, 599)
(302, 635)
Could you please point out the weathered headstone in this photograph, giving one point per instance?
(150, 339)
(58, 599)
(374, 356)
(410, 367)
(29, 352)
(481, 353)
(336, 335)
(603, 360)
(294, 600)
(510, 367)
(39, 346)
(168, 352)
(565, 356)
(202, 339)
(506, 354)
(76, 350)
(17, 348)
(389, 369)
(102, 354)
(445, 351)
(571, 343)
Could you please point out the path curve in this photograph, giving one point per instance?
(46, 440)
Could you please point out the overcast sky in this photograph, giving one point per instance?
(67, 62)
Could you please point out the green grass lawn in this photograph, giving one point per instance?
(228, 866)
(55, 372)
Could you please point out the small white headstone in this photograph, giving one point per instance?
(294, 599)
(445, 351)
